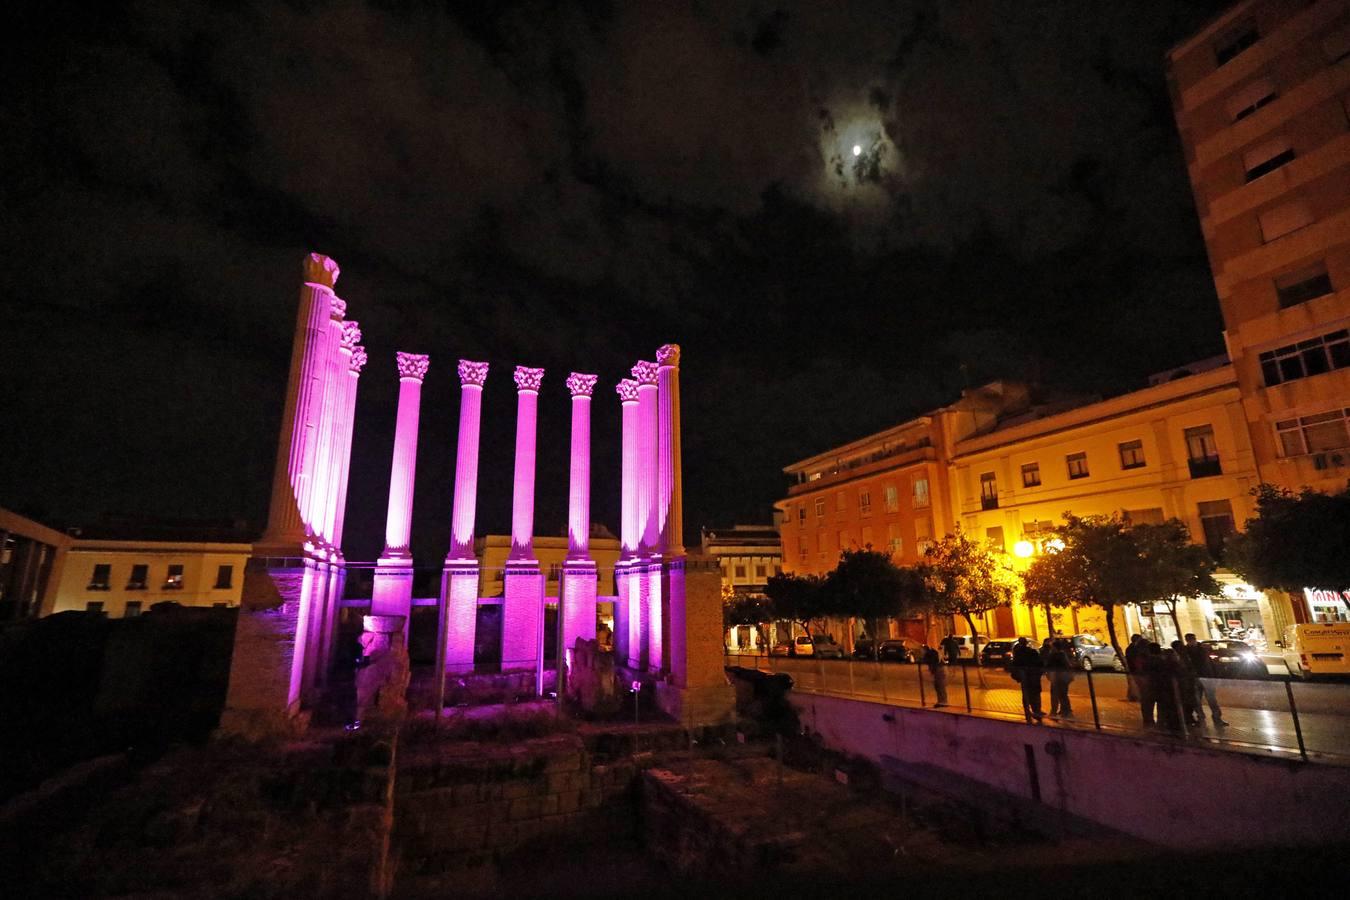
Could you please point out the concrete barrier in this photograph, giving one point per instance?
(1182, 797)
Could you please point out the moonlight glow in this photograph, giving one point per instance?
(857, 150)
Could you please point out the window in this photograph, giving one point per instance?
(801, 514)
(224, 576)
(840, 502)
(988, 491)
(740, 571)
(894, 543)
(140, 573)
(1216, 518)
(99, 581)
(892, 498)
(867, 536)
(923, 535)
(1250, 98)
(1202, 453)
(1151, 516)
(1314, 434)
(844, 541)
(801, 546)
(921, 493)
(1310, 357)
(221, 605)
(1132, 455)
(1280, 220)
(761, 572)
(133, 609)
(820, 507)
(1234, 42)
(1266, 157)
(1303, 285)
(994, 538)
(1078, 466)
(1031, 475)
(865, 502)
(174, 580)
(94, 606)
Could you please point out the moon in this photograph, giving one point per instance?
(857, 150)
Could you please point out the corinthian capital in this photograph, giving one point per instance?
(319, 269)
(668, 355)
(627, 390)
(351, 335)
(413, 365)
(581, 385)
(358, 359)
(338, 308)
(528, 379)
(472, 372)
(645, 372)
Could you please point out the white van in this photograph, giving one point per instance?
(1317, 648)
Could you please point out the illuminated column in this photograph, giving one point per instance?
(355, 364)
(649, 566)
(393, 573)
(671, 512)
(627, 617)
(323, 480)
(580, 579)
(523, 591)
(285, 533)
(459, 580)
(353, 357)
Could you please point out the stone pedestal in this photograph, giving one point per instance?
(577, 599)
(696, 691)
(382, 680)
(392, 592)
(522, 615)
(459, 611)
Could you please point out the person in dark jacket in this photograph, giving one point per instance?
(935, 667)
(1187, 686)
(1139, 667)
(1204, 678)
(1026, 668)
(1134, 670)
(951, 648)
(1059, 674)
(1162, 672)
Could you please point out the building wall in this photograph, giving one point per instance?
(31, 559)
(200, 562)
(1297, 65)
(492, 551)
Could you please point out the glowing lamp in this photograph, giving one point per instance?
(1023, 549)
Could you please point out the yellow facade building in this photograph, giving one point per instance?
(124, 578)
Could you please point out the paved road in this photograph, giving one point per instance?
(1257, 711)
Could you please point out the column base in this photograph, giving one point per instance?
(459, 614)
(522, 615)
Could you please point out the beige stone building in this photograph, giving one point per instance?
(124, 578)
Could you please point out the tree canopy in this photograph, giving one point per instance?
(1295, 541)
(964, 578)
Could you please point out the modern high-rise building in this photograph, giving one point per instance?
(1262, 101)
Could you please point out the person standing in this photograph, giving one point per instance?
(938, 670)
(1188, 690)
(1204, 678)
(1060, 677)
(1163, 671)
(1026, 669)
(952, 648)
(1135, 652)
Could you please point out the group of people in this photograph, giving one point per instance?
(1173, 683)
(1053, 661)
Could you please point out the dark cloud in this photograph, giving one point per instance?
(569, 185)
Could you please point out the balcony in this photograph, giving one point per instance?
(988, 503)
(1205, 467)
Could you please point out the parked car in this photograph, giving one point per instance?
(964, 648)
(864, 648)
(825, 647)
(998, 652)
(1312, 649)
(782, 648)
(1088, 652)
(900, 650)
(1234, 659)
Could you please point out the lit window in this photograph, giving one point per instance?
(921, 493)
(801, 514)
(1132, 455)
(1306, 358)
(1303, 285)
(140, 574)
(820, 507)
(1216, 519)
(844, 541)
(1266, 157)
(1031, 475)
(1314, 434)
(99, 580)
(988, 491)
(761, 572)
(740, 571)
(923, 535)
(1202, 453)
(1078, 465)
(892, 497)
(801, 546)
(865, 502)
(894, 543)
(994, 538)
(174, 580)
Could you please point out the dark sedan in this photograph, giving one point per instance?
(1234, 659)
(998, 652)
(899, 650)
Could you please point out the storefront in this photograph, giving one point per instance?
(1237, 612)
(1326, 605)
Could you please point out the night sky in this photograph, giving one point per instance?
(569, 186)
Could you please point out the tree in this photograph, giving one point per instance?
(1295, 540)
(747, 609)
(1101, 565)
(797, 598)
(1174, 567)
(964, 578)
(1048, 581)
(868, 586)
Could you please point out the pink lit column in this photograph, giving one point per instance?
(649, 585)
(580, 578)
(523, 593)
(323, 483)
(627, 636)
(352, 358)
(393, 573)
(671, 495)
(459, 580)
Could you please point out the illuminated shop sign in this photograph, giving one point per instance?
(1324, 597)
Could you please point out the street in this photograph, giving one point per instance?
(1258, 712)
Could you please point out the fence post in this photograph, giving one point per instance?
(1092, 695)
(881, 676)
(965, 681)
(1293, 711)
(918, 665)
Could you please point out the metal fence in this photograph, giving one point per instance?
(1275, 716)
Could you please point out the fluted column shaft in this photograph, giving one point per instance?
(322, 484)
(671, 501)
(522, 499)
(355, 364)
(645, 373)
(628, 531)
(412, 368)
(471, 375)
(579, 481)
